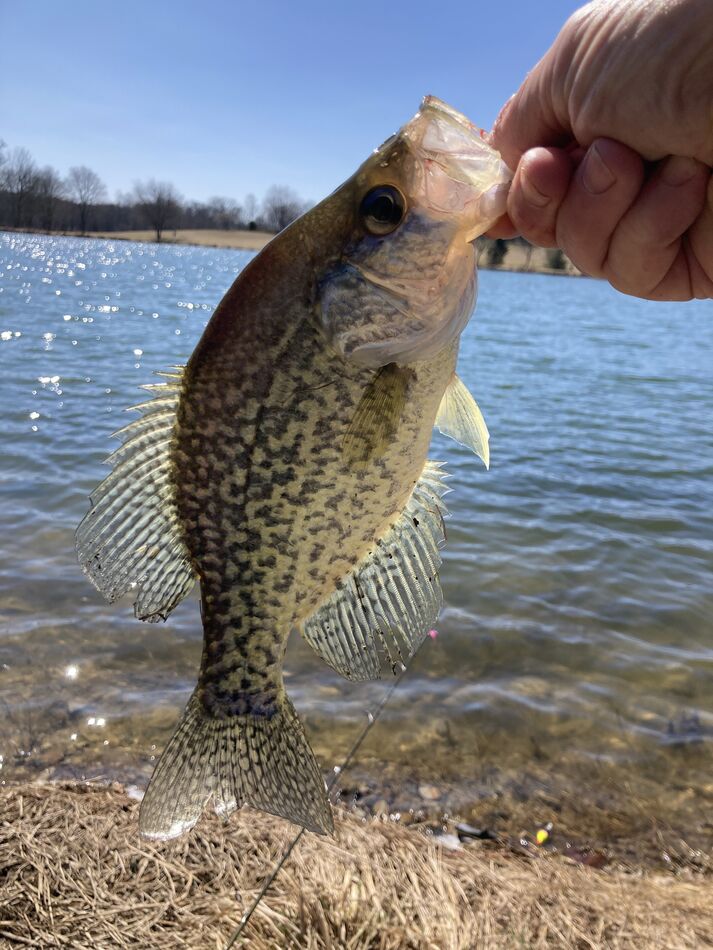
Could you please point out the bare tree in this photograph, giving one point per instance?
(280, 207)
(225, 212)
(87, 189)
(159, 202)
(250, 211)
(3, 192)
(556, 259)
(49, 190)
(19, 179)
(38, 196)
(496, 252)
(527, 250)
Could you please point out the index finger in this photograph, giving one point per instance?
(530, 118)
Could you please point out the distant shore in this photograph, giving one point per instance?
(518, 257)
(237, 240)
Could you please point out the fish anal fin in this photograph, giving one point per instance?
(377, 416)
(460, 418)
(130, 540)
(377, 618)
(262, 761)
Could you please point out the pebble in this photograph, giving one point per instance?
(430, 792)
(381, 807)
(449, 841)
(329, 691)
(465, 830)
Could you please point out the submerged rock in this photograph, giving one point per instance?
(430, 793)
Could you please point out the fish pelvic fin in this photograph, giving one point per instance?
(258, 760)
(460, 418)
(379, 614)
(130, 539)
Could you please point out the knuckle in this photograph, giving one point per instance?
(701, 270)
(575, 241)
(625, 285)
(638, 273)
(537, 225)
(652, 230)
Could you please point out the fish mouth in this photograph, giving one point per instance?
(436, 105)
(462, 174)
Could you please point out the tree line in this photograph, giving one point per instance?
(38, 197)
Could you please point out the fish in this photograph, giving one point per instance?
(285, 466)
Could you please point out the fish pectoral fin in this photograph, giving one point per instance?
(130, 540)
(460, 418)
(256, 760)
(377, 417)
(379, 615)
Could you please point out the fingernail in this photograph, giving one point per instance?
(596, 174)
(677, 170)
(533, 195)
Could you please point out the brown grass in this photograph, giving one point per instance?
(75, 874)
(240, 240)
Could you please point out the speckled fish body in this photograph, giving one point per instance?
(286, 469)
(273, 510)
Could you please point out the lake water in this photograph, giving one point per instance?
(574, 659)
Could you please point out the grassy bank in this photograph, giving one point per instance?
(75, 874)
(239, 240)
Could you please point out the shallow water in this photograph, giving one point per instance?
(575, 647)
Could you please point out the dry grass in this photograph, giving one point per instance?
(240, 240)
(75, 874)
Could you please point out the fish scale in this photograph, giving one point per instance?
(286, 467)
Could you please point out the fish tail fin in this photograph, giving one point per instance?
(259, 760)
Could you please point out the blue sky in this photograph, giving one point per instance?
(224, 98)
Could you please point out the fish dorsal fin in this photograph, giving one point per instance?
(460, 418)
(379, 615)
(130, 538)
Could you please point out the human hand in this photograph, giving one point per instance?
(611, 136)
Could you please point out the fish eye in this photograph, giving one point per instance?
(382, 209)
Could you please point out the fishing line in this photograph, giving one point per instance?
(339, 770)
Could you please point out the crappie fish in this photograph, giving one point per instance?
(285, 467)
